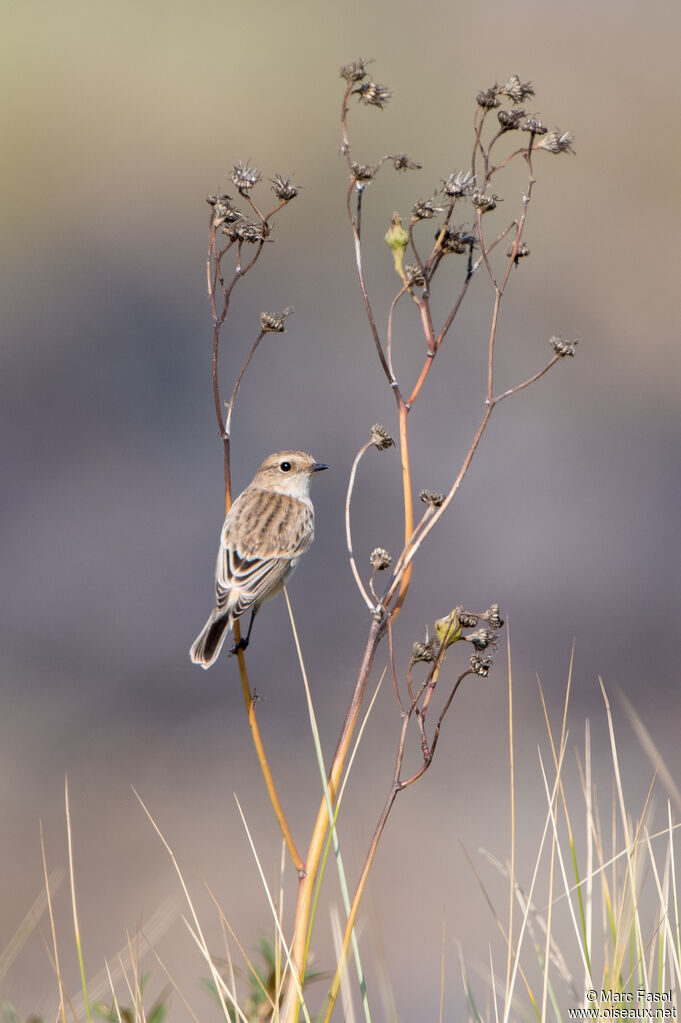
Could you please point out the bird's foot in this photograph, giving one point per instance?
(241, 645)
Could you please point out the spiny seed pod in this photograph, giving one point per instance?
(485, 203)
(468, 620)
(380, 559)
(481, 665)
(459, 184)
(362, 171)
(372, 94)
(424, 209)
(482, 639)
(424, 651)
(355, 71)
(244, 177)
(523, 250)
(284, 188)
(516, 90)
(533, 125)
(431, 498)
(414, 275)
(563, 347)
(245, 231)
(402, 162)
(451, 241)
(510, 119)
(488, 98)
(274, 322)
(380, 437)
(557, 142)
(492, 617)
(223, 211)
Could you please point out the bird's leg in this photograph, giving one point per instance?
(244, 641)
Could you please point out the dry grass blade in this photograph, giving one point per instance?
(273, 910)
(629, 845)
(76, 927)
(32, 917)
(198, 937)
(171, 980)
(651, 751)
(523, 926)
(220, 985)
(346, 994)
(664, 899)
(561, 862)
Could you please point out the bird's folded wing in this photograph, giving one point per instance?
(245, 581)
(263, 533)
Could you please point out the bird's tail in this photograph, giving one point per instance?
(208, 643)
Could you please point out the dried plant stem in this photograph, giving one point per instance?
(348, 533)
(307, 880)
(224, 427)
(352, 916)
(389, 345)
(237, 385)
(263, 761)
(397, 785)
(414, 544)
(356, 224)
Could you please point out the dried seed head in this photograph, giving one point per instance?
(425, 209)
(424, 650)
(459, 184)
(355, 71)
(488, 98)
(516, 90)
(372, 94)
(284, 188)
(414, 275)
(523, 250)
(485, 203)
(468, 620)
(244, 177)
(362, 171)
(244, 231)
(563, 347)
(492, 617)
(452, 240)
(510, 119)
(557, 142)
(402, 162)
(274, 322)
(223, 211)
(380, 437)
(533, 125)
(482, 639)
(380, 559)
(481, 665)
(431, 498)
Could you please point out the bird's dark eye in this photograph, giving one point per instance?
(285, 466)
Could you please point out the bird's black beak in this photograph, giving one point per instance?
(318, 466)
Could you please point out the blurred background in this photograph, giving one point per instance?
(118, 120)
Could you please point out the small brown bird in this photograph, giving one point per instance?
(268, 527)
